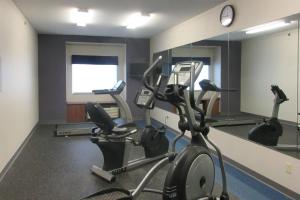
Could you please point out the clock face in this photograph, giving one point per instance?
(227, 15)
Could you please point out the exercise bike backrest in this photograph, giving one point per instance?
(100, 117)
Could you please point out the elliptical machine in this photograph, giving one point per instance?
(191, 173)
(115, 142)
(268, 132)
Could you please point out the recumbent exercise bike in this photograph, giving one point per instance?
(269, 132)
(115, 142)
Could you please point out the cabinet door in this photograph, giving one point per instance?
(76, 113)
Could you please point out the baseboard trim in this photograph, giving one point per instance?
(51, 122)
(274, 185)
(17, 153)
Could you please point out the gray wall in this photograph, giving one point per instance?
(52, 71)
(230, 73)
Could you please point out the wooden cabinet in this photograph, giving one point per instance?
(76, 113)
(216, 107)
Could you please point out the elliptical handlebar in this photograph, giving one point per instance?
(192, 96)
(155, 88)
(148, 71)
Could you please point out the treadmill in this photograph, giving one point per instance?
(85, 128)
(209, 86)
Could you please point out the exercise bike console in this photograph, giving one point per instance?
(144, 99)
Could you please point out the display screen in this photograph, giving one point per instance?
(185, 69)
(146, 92)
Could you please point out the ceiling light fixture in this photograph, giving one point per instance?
(267, 27)
(137, 20)
(81, 17)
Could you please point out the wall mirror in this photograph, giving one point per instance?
(214, 55)
(239, 71)
(264, 70)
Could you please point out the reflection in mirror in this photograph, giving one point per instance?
(221, 98)
(214, 75)
(234, 87)
(264, 68)
(165, 70)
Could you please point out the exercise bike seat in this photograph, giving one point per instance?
(110, 194)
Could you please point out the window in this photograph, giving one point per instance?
(93, 72)
(204, 74)
(88, 77)
(91, 66)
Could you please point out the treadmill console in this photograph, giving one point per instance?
(182, 70)
(117, 89)
(207, 85)
(144, 98)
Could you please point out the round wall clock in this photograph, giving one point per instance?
(227, 15)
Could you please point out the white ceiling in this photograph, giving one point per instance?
(241, 35)
(53, 16)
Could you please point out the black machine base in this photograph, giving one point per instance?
(267, 133)
(154, 141)
(113, 153)
(180, 175)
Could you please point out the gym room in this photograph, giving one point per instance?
(149, 99)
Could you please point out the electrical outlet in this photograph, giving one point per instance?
(288, 168)
(166, 119)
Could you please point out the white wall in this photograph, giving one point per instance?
(266, 60)
(19, 80)
(207, 25)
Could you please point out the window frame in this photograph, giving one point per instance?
(93, 49)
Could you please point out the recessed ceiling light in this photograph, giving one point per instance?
(267, 27)
(137, 20)
(81, 17)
